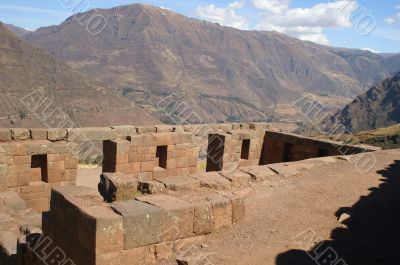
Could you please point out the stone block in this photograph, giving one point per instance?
(38, 134)
(136, 140)
(5, 135)
(222, 210)
(114, 147)
(147, 166)
(12, 201)
(178, 219)
(284, 170)
(118, 186)
(151, 186)
(122, 132)
(159, 172)
(19, 149)
(135, 256)
(57, 135)
(101, 230)
(259, 173)
(66, 204)
(179, 183)
(186, 137)
(71, 162)
(91, 134)
(213, 180)
(203, 218)
(237, 178)
(142, 223)
(238, 208)
(8, 246)
(20, 134)
(146, 129)
(54, 176)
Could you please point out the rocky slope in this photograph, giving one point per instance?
(16, 30)
(220, 72)
(25, 70)
(378, 107)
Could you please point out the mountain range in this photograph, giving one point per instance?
(29, 73)
(222, 73)
(377, 108)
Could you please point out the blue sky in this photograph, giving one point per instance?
(363, 24)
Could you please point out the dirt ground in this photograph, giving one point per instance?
(288, 218)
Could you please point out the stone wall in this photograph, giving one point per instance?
(284, 147)
(152, 155)
(31, 168)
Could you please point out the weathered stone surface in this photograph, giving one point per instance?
(135, 256)
(20, 134)
(213, 180)
(66, 202)
(57, 135)
(146, 129)
(5, 135)
(180, 183)
(151, 186)
(238, 208)
(259, 173)
(122, 132)
(91, 134)
(101, 230)
(203, 218)
(11, 201)
(178, 217)
(284, 170)
(222, 210)
(8, 244)
(118, 186)
(142, 223)
(38, 134)
(237, 178)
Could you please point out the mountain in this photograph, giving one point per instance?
(16, 30)
(25, 71)
(220, 72)
(378, 107)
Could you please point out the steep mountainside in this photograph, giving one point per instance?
(17, 30)
(221, 72)
(378, 107)
(25, 69)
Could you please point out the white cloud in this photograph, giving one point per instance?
(393, 19)
(273, 6)
(225, 16)
(390, 20)
(304, 23)
(34, 10)
(370, 50)
(308, 23)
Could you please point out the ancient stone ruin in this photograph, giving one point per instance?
(161, 188)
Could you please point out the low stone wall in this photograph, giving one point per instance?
(31, 168)
(284, 147)
(152, 155)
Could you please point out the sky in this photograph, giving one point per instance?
(364, 24)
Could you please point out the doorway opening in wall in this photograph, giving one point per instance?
(215, 152)
(323, 152)
(245, 149)
(288, 153)
(161, 154)
(39, 168)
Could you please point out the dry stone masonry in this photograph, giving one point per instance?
(154, 199)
